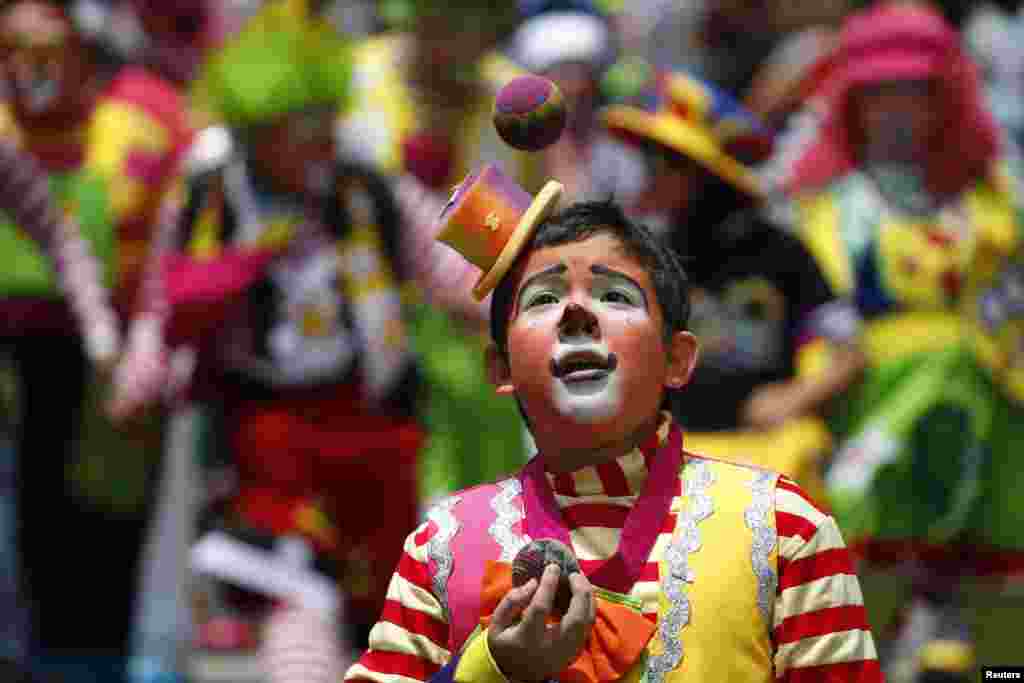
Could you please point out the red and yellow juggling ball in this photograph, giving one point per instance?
(529, 113)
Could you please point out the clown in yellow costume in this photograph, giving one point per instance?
(911, 212)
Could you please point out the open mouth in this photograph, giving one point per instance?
(583, 366)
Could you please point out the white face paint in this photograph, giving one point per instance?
(588, 396)
(593, 392)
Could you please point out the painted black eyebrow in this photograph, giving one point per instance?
(598, 269)
(556, 269)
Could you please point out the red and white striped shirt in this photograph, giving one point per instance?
(820, 626)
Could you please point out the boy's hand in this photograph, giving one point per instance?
(531, 649)
(137, 382)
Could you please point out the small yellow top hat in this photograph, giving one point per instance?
(490, 218)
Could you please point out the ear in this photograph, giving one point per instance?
(683, 352)
(498, 372)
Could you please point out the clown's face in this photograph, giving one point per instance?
(898, 120)
(296, 150)
(45, 66)
(587, 354)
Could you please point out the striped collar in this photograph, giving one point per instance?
(623, 477)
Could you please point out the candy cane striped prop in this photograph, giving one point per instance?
(25, 195)
(302, 645)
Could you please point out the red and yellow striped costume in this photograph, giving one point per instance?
(818, 629)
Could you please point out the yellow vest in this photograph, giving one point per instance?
(715, 623)
(718, 574)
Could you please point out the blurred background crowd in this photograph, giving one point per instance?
(236, 369)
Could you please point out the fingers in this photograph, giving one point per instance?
(536, 614)
(117, 410)
(582, 612)
(511, 606)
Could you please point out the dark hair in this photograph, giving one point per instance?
(583, 220)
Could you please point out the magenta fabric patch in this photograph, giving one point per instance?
(147, 167)
(543, 518)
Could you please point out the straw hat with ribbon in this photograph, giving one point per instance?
(490, 219)
(692, 118)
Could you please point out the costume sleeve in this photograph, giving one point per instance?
(475, 665)
(25, 195)
(410, 641)
(820, 626)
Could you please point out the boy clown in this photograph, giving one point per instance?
(692, 569)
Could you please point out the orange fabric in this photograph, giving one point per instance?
(618, 638)
(481, 226)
